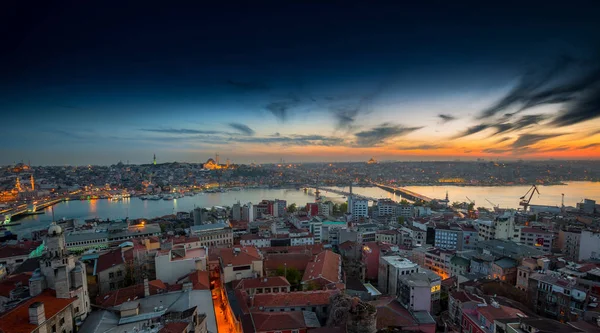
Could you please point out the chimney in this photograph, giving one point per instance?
(146, 288)
(37, 315)
(187, 286)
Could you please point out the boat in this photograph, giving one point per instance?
(153, 197)
(168, 197)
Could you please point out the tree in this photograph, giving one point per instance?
(471, 206)
(400, 219)
(292, 208)
(456, 204)
(343, 207)
(291, 274)
(404, 202)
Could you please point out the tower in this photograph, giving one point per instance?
(59, 271)
(154, 161)
(32, 183)
(18, 185)
(217, 158)
(447, 196)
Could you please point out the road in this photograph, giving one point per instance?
(224, 320)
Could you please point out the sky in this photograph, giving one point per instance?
(301, 82)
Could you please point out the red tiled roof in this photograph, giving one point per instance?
(301, 298)
(185, 240)
(313, 249)
(269, 282)
(17, 319)
(14, 251)
(108, 260)
(326, 265)
(10, 283)
(200, 280)
(245, 256)
(348, 245)
(120, 296)
(277, 321)
(291, 260)
(174, 327)
(492, 313)
(390, 313)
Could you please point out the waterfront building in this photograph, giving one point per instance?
(101, 237)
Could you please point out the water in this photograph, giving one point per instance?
(137, 208)
(505, 196)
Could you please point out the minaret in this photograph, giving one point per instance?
(446, 195)
(18, 185)
(154, 162)
(217, 158)
(32, 183)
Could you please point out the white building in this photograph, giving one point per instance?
(420, 290)
(391, 268)
(589, 245)
(172, 264)
(248, 212)
(360, 209)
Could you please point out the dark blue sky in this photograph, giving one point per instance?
(89, 83)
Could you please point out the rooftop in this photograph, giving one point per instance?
(301, 298)
(109, 260)
(269, 282)
(240, 255)
(326, 265)
(277, 321)
(17, 319)
(208, 227)
(399, 262)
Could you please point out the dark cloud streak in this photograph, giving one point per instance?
(244, 129)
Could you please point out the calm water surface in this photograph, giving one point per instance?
(505, 196)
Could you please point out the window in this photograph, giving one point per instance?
(119, 273)
(112, 285)
(54, 328)
(111, 275)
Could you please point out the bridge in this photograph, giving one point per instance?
(24, 209)
(405, 193)
(354, 195)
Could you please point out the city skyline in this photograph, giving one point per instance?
(303, 83)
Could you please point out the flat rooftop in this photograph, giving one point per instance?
(399, 262)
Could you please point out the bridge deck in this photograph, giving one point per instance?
(404, 191)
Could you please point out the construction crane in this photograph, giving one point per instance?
(491, 203)
(525, 201)
(471, 201)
